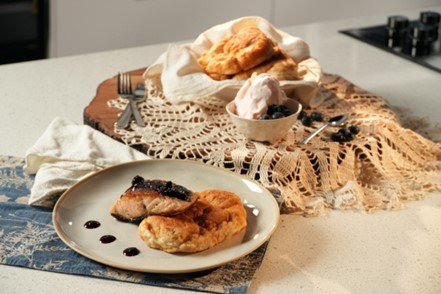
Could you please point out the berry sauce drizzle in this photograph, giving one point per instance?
(106, 239)
(92, 224)
(131, 251)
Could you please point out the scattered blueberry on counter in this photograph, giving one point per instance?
(307, 120)
(276, 111)
(354, 129)
(344, 134)
(317, 116)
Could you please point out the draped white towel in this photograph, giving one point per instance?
(66, 152)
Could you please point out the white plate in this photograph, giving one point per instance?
(92, 197)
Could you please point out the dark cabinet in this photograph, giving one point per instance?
(24, 30)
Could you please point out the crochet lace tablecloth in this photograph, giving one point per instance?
(381, 167)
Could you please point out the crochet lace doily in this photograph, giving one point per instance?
(381, 167)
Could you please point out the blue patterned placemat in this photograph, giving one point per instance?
(28, 239)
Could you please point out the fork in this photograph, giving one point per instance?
(125, 91)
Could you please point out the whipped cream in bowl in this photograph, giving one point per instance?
(250, 111)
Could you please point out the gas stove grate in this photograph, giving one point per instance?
(380, 36)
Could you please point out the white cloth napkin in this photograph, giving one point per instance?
(182, 78)
(67, 152)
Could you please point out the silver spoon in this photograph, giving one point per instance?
(332, 122)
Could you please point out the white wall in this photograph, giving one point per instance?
(291, 12)
(84, 26)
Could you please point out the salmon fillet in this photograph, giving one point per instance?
(151, 197)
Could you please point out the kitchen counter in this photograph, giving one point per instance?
(341, 252)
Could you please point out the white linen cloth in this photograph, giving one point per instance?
(182, 78)
(66, 152)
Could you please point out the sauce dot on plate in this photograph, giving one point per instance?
(106, 239)
(131, 251)
(92, 224)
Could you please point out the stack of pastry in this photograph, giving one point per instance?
(238, 56)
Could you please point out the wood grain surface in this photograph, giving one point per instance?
(99, 115)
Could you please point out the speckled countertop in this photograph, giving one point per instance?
(342, 252)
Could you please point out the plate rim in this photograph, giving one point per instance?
(68, 242)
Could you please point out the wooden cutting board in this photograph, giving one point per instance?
(102, 117)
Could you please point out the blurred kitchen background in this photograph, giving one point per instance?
(36, 29)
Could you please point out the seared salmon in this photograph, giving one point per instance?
(151, 197)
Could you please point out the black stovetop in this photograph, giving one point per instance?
(380, 37)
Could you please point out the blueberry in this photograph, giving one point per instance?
(342, 135)
(273, 108)
(345, 132)
(348, 136)
(277, 115)
(264, 117)
(317, 116)
(301, 115)
(137, 180)
(338, 137)
(306, 121)
(354, 130)
(285, 110)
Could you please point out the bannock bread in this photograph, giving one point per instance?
(238, 52)
(238, 56)
(216, 217)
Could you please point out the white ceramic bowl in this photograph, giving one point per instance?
(270, 130)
